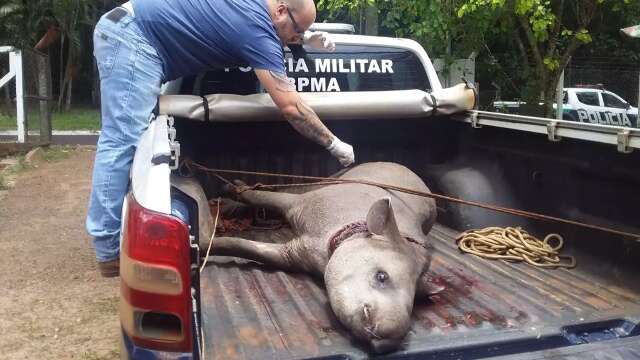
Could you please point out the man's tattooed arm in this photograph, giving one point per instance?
(295, 110)
(307, 123)
(283, 83)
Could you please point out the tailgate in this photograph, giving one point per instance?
(488, 309)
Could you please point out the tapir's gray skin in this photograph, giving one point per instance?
(371, 279)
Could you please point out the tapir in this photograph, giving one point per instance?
(369, 245)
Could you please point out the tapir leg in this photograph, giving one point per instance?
(283, 256)
(278, 201)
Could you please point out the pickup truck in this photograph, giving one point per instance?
(588, 104)
(372, 95)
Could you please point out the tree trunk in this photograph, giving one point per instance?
(550, 93)
(62, 77)
(44, 91)
(95, 93)
(361, 20)
(61, 95)
(549, 98)
(371, 20)
(7, 97)
(70, 73)
(96, 85)
(523, 54)
(67, 106)
(7, 101)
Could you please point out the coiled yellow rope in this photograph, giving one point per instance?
(515, 244)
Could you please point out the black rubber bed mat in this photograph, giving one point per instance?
(489, 308)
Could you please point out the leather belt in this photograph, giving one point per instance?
(127, 6)
(121, 11)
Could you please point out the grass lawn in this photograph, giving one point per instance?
(75, 119)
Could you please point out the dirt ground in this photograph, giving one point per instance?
(53, 303)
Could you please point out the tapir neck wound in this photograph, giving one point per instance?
(345, 232)
(354, 228)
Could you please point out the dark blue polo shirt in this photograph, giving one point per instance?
(195, 35)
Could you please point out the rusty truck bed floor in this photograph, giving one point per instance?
(488, 308)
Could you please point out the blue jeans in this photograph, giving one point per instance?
(130, 78)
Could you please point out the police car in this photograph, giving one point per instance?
(597, 106)
(586, 103)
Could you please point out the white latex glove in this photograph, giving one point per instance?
(319, 40)
(342, 151)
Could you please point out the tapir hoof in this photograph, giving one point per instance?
(384, 345)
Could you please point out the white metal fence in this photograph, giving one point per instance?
(28, 85)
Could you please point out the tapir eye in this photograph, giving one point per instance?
(382, 276)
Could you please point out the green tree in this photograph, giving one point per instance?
(436, 26)
(433, 23)
(40, 23)
(22, 21)
(528, 43)
(547, 32)
(71, 16)
(607, 39)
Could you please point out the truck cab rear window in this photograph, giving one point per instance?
(349, 68)
(612, 101)
(588, 98)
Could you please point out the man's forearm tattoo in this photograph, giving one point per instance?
(308, 124)
(305, 121)
(283, 83)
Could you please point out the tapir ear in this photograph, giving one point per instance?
(381, 220)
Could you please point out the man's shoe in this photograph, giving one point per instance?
(109, 268)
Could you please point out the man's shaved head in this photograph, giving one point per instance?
(306, 9)
(291, 18)
(301, 5)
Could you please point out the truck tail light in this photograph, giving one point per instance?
(155, 306)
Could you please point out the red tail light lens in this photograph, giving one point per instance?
(155, 265)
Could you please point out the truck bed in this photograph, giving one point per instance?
(488, 308)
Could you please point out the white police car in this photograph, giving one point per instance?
(586, 103)
(598, 106)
